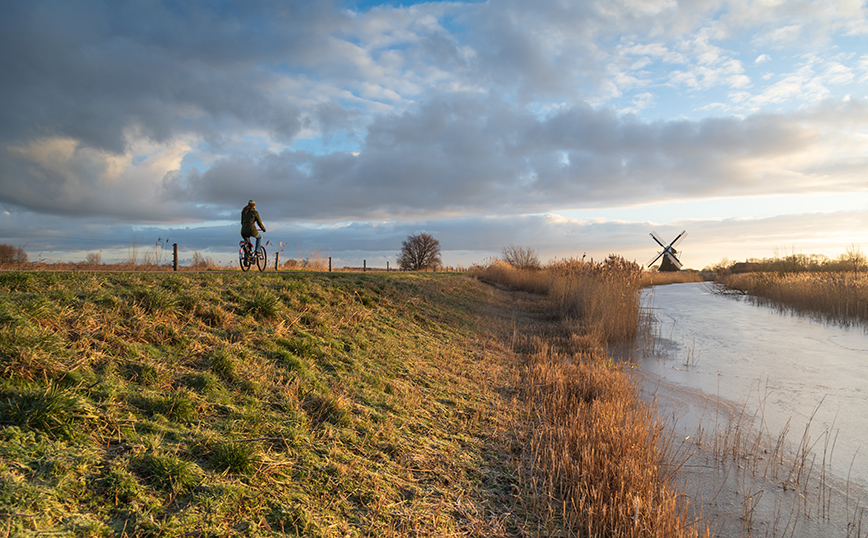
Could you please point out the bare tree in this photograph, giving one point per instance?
(10, 254)
(855, 256)
(521, 257)
(420, 251)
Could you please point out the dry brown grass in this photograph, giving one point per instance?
(499, 272)
(656, 278)
(595, 447)
(600, 298)
(593, 452)
(125, 266)
(838, 297)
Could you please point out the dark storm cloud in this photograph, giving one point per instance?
(462, 154)
(225, 83)
(90, 70)
(141, 113)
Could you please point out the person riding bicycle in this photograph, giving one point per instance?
(249, 220)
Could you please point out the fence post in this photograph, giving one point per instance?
(276, 260)
(330, 264)
(364, 266)
(387, 267)
(174, 256)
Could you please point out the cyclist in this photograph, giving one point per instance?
(249, 220)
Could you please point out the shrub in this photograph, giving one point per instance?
(93, 258)
(201, 262)
(14, 255)
(521, 257)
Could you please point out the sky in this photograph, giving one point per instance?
(569, 127)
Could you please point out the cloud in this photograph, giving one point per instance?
(138, 113)
(456, 155)
(464, 155)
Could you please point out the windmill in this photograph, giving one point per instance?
(670, 262)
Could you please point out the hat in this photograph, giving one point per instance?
(251, 202)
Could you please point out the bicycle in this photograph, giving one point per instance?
(247, 257)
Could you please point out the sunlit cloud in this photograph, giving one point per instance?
(447, 113)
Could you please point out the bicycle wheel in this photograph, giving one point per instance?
(244, 262)
(243, 258)
(262, 259)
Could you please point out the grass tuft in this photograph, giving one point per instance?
(236, 457)
(158, 301)
(120, 485)
(15, 280)
(140, 372)
(167, 472)
(224, 364)
(179, 406)
(327, 409)
(263, 305)
(50, 409)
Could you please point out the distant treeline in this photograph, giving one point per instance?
(852, 260)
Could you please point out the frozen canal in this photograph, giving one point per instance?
(770, 412)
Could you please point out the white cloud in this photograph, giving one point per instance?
(443, 109)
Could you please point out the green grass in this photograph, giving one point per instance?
(220, 404)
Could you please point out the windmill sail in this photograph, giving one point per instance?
(674, 260)
(670, 261)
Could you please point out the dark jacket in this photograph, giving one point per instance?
(249, 220)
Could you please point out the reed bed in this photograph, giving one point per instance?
(656, 278)
(600, 298)
(498, 272)
(837, 297)
(595, 448)
(594, 451)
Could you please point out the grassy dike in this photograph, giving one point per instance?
(324, 404)
(215, 404)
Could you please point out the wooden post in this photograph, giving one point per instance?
(330, 264)
(364, 266)
(276, 260)
(174, 256)
(387, 267)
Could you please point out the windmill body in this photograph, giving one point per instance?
(670, 261)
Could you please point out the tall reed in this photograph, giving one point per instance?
(600, 297)
(658, 278)
(596, 448)
(837, 297)
(594, 451)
